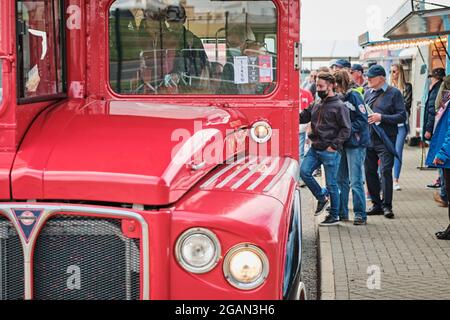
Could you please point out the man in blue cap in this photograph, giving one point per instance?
(387, 110)
(358, 78)
(341, 64)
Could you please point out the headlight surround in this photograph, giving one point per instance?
(261, 132)
(246, 267)
(198, 250)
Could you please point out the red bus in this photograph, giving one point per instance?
(149, 149)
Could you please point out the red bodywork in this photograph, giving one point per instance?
(97, 146)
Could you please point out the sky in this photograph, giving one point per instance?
(335, 25)
(344, 19)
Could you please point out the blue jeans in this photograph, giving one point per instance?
(302, 145)
(330, 161)
(351, 176)
(399, 145)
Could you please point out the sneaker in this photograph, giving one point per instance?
(329, 221)
(359, 222)
(388, 213)
(344, 219)
(437, 197)
(397, 187)
(435, 185)
(321, 206)
(375, 211)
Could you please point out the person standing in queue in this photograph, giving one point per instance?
(330, 128)
(398, 80)
(436, 79)
(386, 111)
(358, 77)
(439, 157)
(351, 172)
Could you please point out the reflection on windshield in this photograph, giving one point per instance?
(200, 47)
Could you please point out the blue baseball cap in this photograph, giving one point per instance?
(376, 71)
(357, 67)
(342, 63)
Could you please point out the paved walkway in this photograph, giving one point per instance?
(390, 259)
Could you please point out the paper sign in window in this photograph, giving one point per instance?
(265, 69)
(253, 70)
(33, 79)
(240, 70)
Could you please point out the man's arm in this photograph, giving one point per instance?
(399, 115)
(430, 109)
(305, 115)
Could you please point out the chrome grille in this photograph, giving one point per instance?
(12, 282)
(82, 258)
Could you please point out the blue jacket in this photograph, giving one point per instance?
(430, 110)
(440, 143)
(391, 107)
(359, 136)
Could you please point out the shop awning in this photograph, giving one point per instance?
(416, 19)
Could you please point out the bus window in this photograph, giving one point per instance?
(39, 47)
(198, 47)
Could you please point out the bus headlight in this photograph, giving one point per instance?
(261, 132)
(246, 267)
(198, 250)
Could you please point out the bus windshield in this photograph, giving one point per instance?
(193, 47)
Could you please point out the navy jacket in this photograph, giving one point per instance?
(430, 110)
(330, 123)
(359, 136)
(391, 107)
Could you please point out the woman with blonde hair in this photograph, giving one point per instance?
(398, 80)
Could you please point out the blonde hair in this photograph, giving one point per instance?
(401, 82)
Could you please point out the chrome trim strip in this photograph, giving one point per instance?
(290, 167)
(278, 176)
(236, 173)
(48, 210)
(251, 173)
(220, 173)
(294, 170)
(265, 174)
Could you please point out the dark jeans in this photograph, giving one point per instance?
(374, 153)
(447, 185)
